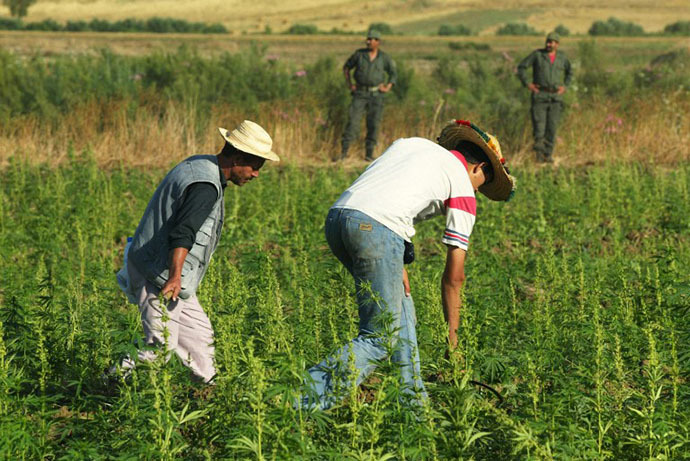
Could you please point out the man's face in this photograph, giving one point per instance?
(478, 177)
(246, 169)
(551, 45)
(372, 43)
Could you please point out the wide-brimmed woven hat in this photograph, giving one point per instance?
(502, 187)
(249, 137)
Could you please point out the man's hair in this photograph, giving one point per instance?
(241, 157)
(476, 155)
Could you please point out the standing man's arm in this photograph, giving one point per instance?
(392, 71)
(568, 72)
(350, 64)
(348, 79)
(522, 72)
(451, 287)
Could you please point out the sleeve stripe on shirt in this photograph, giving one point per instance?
(468, 204)
(456, 236)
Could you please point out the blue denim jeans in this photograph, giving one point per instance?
(373, 254)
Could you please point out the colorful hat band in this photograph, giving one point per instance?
(487, 139)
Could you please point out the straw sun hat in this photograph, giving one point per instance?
(249, 137)
(502, 187)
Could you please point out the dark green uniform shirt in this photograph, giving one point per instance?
(544, 74)
(372, 73)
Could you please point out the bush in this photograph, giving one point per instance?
(100, 25)
(616, 27)
(77, 26)
(157, 25)
(382, 27)
(458, 46)
(562, 30)
(458, 29)
(678, 28)
(46, 25)
(219, 28)
(303, 29)
(11, 24)
(513, 28)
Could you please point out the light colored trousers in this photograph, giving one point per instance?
(190, 334)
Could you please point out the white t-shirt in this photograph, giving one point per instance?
(414, 180)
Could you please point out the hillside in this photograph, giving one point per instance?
(407, 16)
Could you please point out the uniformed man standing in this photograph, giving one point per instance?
(371, 66)
(551, 74)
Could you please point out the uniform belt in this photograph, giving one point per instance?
(548, 90)
(368, 88)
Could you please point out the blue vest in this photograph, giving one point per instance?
(150, 251)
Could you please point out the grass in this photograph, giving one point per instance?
(353, 15)
(574, 311)
(476, 20)
(120, 107)
(577, 296)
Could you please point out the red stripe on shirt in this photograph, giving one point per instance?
(456, 237)
(468, 204)
(460, 157)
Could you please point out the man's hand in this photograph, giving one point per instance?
(385, 87)
(533, 87)
(561, 90)
(173, 286)
(406, 282)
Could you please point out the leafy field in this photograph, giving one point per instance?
(630, 98)
(575, 310)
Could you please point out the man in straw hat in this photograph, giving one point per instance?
(371, 67)
(173, 244)
(551, 74)
(369, 229)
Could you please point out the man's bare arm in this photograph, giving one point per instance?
(174, 283)
(451, 286)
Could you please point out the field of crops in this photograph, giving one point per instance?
(575, 311)
(577, 296)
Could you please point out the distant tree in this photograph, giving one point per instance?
(616, 28)
(513, 28)
(303, 29)
(18, 8)
(678, 28)
(459, 29)
(562, 30)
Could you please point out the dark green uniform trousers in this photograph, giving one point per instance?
(371, 103)
(546, 113)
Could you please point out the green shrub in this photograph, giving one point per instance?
(615, 27)
(458, 29)
(46, 25)
(513, 28)
(471, 46)
(218, 28)
(562, 30)
(156, 25)
(76, 26)
(303, 29)
(382, 27)
(11, 24)
(678, 28)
